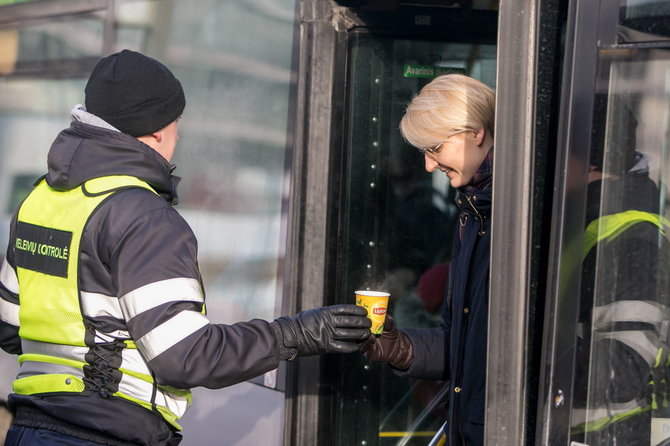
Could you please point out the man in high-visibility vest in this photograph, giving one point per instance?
(100, 292)
(621, 361)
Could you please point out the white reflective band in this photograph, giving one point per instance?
(158, 293)
(132, 360)
(630, 311)
(129, 385)
(9, 312)
(8, 277)
(176, 404)
(135, 387)
(143, 390)
(57, 350)
(31, 368)
(170, 332)
(636, 340)
(96, 305)
(101, 337)
(581, 416)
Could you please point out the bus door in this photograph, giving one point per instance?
(605, 365)
(396, 220)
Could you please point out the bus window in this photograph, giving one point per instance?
(621, 368)
(234, 60)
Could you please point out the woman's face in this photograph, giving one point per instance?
(459, 156)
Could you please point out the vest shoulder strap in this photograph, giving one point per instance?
(113, 183)
(609, 227)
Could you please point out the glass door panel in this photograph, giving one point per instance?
(620, 393)
(397, 227)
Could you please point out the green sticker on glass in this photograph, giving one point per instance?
(429, 70)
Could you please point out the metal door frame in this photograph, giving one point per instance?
(529, 59)
(311, 262)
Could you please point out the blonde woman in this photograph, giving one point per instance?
(451, 123)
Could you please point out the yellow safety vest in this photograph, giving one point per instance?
(655, 353)
(55, 338)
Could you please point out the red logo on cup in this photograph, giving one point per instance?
(379, 311)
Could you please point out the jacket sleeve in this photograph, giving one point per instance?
(161, 296)
(428, 345)
(9, 304)
(431, 345)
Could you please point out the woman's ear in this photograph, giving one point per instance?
(479, 135)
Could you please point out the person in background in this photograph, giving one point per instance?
(100, 291)
(621, 371)
(421, 306)
(451, 122)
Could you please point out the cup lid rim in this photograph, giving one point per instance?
(372, 293)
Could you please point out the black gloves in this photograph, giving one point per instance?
(334, 329)
(391, 346)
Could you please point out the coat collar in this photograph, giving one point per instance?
(475, 197)
(84, 151)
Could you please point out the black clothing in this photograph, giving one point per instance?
(632, 267)
(456, 351)
(134, 242)
(134, 93)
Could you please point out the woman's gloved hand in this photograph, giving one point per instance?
(334, 329)
(392, 346)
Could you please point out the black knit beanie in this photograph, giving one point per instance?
(136, 94)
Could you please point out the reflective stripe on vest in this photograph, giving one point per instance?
(608, 227)
(55, 338)
(599, 418)
(645, 342)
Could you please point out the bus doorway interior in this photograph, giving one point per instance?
(396, 220)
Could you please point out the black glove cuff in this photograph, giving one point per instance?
(286, 338)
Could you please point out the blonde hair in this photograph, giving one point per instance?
(448, 104)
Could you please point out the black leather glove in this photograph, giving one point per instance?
(334, 329)
(392, 346)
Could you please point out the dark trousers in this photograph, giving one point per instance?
(25, 436)
(31, 426)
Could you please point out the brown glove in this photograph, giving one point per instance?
(391, 346)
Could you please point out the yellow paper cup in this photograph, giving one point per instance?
(376, 302)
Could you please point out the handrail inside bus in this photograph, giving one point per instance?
(412, 431)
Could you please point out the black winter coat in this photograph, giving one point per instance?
(457, 350)
(134, 240)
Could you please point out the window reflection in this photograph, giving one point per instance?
(622, 369)
(644, 20)
(48, 48)
(234, 61)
